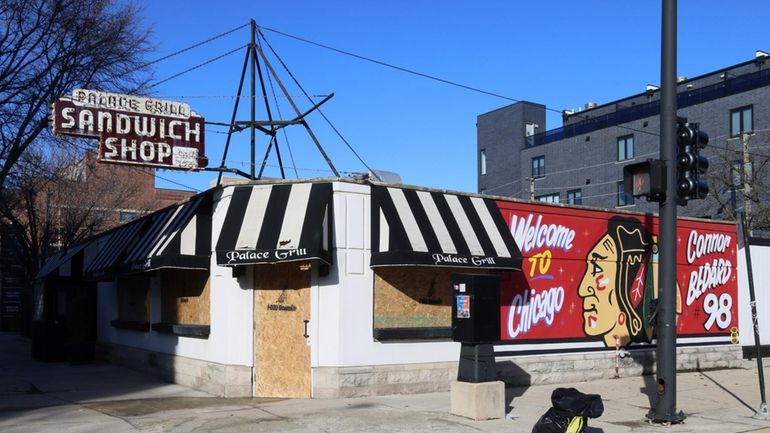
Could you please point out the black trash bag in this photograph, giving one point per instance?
(570, 410)
(575, 403)
(553, 421)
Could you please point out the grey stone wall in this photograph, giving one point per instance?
(339, 382)
(217, 379)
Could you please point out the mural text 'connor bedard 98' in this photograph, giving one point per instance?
(590, 274)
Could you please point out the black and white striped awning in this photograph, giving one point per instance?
(431, 228)
(110, 246)
(51, 264)
(177, 237)
(276, 223)
(63, 263)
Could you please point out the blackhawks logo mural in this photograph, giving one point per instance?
(592, 276)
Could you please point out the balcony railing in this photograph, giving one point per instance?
(728, 87)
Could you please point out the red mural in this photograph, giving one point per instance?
(590, 274)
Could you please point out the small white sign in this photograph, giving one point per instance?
(185, 157)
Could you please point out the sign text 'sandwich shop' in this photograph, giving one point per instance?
(134, 129)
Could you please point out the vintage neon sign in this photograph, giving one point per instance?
(134, 129)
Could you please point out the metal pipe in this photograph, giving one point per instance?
(762, 413)
(617, 356)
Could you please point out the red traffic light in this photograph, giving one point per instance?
(646, 179)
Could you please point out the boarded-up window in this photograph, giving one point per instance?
(185, 296)
(134, 298)
(412, 297)
(413, 302)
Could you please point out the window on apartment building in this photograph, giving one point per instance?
(127, 216)
(741, 120)
(575, 196)
(548, 198)
(529, 132)
(623, 199)
(483, 161)
(102, 216)
(625, 147)
(538, 166)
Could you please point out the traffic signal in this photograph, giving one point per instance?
(690, 165)
(646, 179)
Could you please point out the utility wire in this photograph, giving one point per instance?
(712, 144)
(175, 53)
(223, 96)
(583, 168)
(428, 76)
(398, 68)
(280, 116)
(195, 67)
(296, 82)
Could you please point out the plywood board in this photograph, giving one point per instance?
(282, 305)
(134, 298)
(185, 296)
(413, 297)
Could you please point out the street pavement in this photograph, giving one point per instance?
(59, 397)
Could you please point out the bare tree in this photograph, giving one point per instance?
(50, 47)
(53, 201)
(739, 177)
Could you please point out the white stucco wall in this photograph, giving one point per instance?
(231, 339)
(760, 259)
(343, 301)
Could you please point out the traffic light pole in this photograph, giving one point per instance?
(664, 410)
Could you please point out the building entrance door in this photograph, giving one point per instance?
(282, 353)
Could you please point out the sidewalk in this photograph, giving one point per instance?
(58, 397)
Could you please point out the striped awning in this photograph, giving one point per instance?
(51, 264)
(276, 223)
(110, 247)
(176, 237)
(61, 263)
(431, 228)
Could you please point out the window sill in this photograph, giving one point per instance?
(388, 334)
(133, 325)
(182, 330)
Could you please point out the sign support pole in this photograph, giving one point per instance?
(664, 410)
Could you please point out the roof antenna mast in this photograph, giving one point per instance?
(269, 127)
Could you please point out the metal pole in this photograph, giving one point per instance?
(762, 412)
(745, 178)
(665, 353)
(296, 110)
(253, 93)
(531, 188)
(235, 112)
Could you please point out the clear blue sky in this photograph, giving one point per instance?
(558, 53)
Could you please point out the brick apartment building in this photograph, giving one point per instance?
(581, 162)
(104, 195)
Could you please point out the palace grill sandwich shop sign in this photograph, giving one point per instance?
(134, 129)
